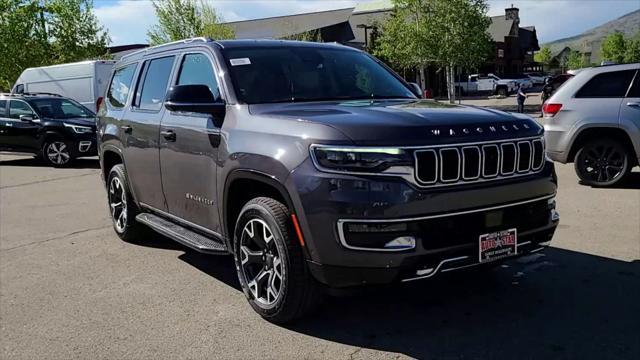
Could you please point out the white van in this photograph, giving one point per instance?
(84, 82)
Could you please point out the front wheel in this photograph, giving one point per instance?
(602, 163)
(270, 264)
(57, 152)
(502, 92)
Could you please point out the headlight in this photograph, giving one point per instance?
(79, 129)
(358, 159)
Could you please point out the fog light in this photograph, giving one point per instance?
(402, 242)
(555, 215)
(370, 228)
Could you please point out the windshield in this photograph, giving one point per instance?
(59, 108)
(289, 74)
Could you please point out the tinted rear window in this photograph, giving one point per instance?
(3, 108)
(607, 85)
(121, 85)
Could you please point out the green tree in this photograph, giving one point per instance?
(576, 60)
(46, 32)
(182, 19)
(614, 47)
(447, 33)
(543, 56)
(632, 53)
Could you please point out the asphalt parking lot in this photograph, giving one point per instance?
(70, 288)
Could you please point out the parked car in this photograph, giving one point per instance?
(519, 79)
(485, 83)
(52, 127)
(84, 82)
(317, 167)
(594, 122)
(537, 78)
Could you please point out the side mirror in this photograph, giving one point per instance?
(417, 90)
(27, 118)
(196, 99)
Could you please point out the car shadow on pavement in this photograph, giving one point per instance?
(563, 304)
(82, 163)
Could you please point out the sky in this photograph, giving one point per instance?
(129, 20)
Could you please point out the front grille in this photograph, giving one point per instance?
(468, 163)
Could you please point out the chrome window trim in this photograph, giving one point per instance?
(415, 159)
(484, 157)
(515, 160)
(528, 143)
(464, 158)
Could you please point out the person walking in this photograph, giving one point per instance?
(521, 97)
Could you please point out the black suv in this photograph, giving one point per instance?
(52, 127)
(317, 167)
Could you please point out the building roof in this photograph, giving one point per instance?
(500, 28)
(528, 38)
(281, 26)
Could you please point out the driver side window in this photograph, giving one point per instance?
(18, 107)
(196, 69)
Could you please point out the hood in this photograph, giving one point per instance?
(91, 122)
(407, 122)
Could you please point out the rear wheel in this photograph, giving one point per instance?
(57, 152)
(502, 91)
(270, 264)
(602, 163)
(122, 207)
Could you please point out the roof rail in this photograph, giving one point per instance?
(39, 93)
(184, 41)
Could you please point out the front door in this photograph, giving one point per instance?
(140, 129)
(19, 135)
(189, 150)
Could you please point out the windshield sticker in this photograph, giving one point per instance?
(240, 61)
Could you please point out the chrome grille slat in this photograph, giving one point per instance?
(476, 162)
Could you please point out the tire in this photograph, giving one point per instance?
(270, 263)
(122, 208)
(602, 163)
(502, 91)
(56, 152)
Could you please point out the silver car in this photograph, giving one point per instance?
(593, 120)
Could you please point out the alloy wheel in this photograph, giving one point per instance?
(118, 204)
(602, 163)
(58, 153)
(261, 262)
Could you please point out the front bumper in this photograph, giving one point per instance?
(445, 222)
(85, 145)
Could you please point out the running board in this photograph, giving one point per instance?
(182, 235)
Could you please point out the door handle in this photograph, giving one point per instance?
(127, 129)
(170, 135)
(636, 104)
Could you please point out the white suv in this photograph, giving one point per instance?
(593, 120)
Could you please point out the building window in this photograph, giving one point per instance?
(500, 53)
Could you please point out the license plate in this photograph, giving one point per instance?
(498, 245)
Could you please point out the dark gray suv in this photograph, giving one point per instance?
(317, 167)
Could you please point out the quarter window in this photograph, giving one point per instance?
(154, 85)
(17, 108)
(607, 85)
(121, 86)
(196, 69)
(635, 88)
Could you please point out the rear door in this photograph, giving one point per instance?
(599, 99)
(189, 149)
(140, 131)
(630, 113)
(3, 126)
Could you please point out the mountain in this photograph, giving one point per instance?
(591, 40)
